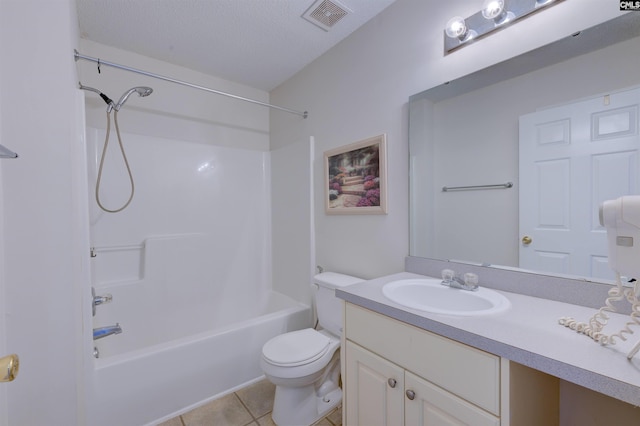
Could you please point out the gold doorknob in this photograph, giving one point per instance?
(526, 240)
(9, 366)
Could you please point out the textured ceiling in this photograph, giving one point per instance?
(260, 43)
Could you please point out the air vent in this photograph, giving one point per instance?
(325, 14)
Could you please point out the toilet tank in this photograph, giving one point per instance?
(328, 306)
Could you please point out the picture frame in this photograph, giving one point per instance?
(356, 177)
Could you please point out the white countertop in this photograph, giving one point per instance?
(527, 333)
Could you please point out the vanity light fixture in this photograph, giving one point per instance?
(494, 14)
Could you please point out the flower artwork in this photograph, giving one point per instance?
(356, 178)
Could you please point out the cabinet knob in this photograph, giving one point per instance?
(410, 394)
(392, 383)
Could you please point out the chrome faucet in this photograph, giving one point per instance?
(99, 333)
(469, 283)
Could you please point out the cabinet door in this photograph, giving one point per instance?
(427, 404)
(374, 389)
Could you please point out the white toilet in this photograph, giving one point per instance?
(305, 364)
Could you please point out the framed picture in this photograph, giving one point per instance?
(356, 177)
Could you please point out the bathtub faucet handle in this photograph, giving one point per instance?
(98, 300)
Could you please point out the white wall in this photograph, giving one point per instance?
(42, 251)
(360, 88)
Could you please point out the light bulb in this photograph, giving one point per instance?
(492, 9)
(456, 27)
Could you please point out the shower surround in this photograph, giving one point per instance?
(188, 265)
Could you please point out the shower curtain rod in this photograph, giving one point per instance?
(77, 55)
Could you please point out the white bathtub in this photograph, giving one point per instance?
(150, 385)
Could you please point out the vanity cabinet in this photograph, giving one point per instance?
(397, 374)
(384, 393)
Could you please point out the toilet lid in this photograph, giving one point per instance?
(296, 348)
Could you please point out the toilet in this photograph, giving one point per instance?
(305, 364)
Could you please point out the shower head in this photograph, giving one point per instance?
(141, 90)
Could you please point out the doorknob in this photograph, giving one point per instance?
(9, 366)
(526, 240)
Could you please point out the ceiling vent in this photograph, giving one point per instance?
(325, 14)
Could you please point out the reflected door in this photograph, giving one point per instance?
(572, 158)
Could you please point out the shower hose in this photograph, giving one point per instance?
(124, 157)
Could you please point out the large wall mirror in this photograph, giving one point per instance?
(466, 135)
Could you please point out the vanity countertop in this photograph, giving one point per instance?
(528, 333)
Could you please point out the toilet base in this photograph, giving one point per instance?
(305, 405)
(302, 406)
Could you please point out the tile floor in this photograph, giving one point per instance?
(250, 406)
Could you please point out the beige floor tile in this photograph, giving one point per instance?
(258, 398)
(266, 420)
(323, 422)
(172, 422)
(237, 409)
(226, 411)
(335, 416)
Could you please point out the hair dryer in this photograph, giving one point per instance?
(621, 218)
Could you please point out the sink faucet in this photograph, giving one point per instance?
(99, 333)
(470, 282)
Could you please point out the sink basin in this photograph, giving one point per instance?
(428, 294)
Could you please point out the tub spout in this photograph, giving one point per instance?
(99, 333)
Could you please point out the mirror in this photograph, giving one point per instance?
(466, 132)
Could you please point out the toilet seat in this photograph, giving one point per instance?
(296, 348)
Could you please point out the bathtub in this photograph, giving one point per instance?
(188, 265)
(153, 384)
